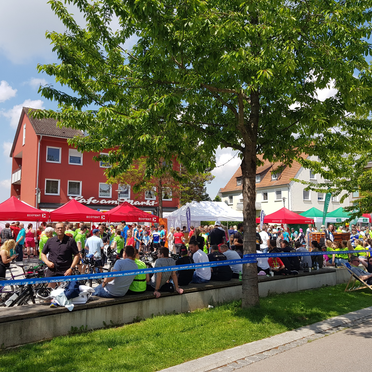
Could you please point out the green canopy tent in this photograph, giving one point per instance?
(337, 216)
(315, 214)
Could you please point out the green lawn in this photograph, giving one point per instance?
(164, 341)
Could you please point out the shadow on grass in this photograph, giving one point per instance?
(167, 340)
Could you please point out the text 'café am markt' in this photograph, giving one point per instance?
(47, 172)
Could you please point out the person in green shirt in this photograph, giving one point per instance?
(48, 233)
(139, 283)
(359, 247)
(80, 238)
(118, 242)
(69, 230)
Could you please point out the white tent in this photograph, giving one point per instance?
(203, 211)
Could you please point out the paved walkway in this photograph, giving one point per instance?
(350, 338)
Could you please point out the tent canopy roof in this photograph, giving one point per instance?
(204, 211)
(14, 209)
(128, 212)
(286, 216)
(75, 211)
(338, 213)
(312, 212)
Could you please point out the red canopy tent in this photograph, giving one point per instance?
(75, 211)
(285, 216)
(14, 209)
(128, 212)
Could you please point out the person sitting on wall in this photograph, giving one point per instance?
(184, 276)
(219, 273)
(159, 282)
(292, 262)
(118, 286)
(276, 264)
(202, 275)
(232, 255)
(306, 261)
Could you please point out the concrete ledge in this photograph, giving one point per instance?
(26, 324)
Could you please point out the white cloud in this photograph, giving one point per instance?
(14, 113)
(330, 91)
(6, 91)
(36, 82)
(6, 150)
(23, 25)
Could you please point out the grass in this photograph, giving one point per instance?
(164, 341)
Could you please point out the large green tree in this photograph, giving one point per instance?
(209, 73)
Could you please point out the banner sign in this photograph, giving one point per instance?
(262, 217)
(188, 218)
(326, 204)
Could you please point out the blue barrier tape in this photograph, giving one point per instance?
(57, 279)
(291, 254)
(247, 258)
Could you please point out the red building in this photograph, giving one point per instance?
(47, 172)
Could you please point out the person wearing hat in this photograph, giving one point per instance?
(217, 235)
(94, 245)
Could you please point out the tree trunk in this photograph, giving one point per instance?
(250, 279)
(160, 198)
(250, 295)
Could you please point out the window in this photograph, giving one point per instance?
(265, 196)
(306, 195)
(312, 175)
(150, 194)
(104, 164)
(124, 191)
(53, 154)
(167, 194)
(274, 176)
(258, 178)
(336, 198)
(231, 199)
(239, 181)
(356, 194)
(75, 157)
(51, 187)
(74, 188)
(320, 196)
(104, 190)
(24, 135)
(278, 195)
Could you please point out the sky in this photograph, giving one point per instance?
(23, 46)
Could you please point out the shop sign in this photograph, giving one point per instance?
(93, 200)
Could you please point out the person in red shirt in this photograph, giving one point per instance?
(191, 233)
(275, 263)
(178, 240)
(15, 229)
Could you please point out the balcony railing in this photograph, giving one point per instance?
(16, 177)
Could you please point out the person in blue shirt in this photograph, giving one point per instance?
(124, 233)
(156, 239)
(20, 242)
(162, 236)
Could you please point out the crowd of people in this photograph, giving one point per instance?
(62, 246)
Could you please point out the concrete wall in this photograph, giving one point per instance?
(28, 324)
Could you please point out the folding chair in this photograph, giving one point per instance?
(355, 283)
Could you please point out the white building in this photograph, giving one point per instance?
(275, 189)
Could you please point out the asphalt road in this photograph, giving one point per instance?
(347, 350)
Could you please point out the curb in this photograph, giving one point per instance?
(224, 358)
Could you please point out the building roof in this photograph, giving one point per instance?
(44, 127)
(265, 170)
